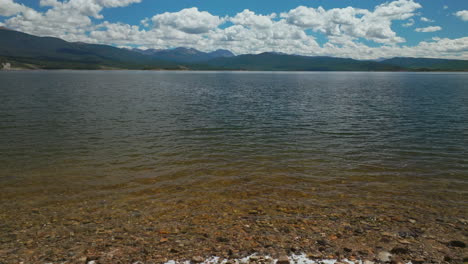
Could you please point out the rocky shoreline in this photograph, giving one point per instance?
(130, 235)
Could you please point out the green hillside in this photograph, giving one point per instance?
(53, 53)
(281, 62)
(428, 64)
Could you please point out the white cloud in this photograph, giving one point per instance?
(428, 29)
(250, 19)
(353, 22)
(463, 15)
(409, 23)
(70, 20)
(10, 8)
(425, 19)
(188, 20)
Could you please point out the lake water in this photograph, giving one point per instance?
(80, 145)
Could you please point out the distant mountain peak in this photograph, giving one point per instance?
(222, 53)
(5, 28)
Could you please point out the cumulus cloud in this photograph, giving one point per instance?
(70, 20)
(10, 8)
(353, 22)
(428, 29)
(463, 15)
(250, 19)
(188, 20)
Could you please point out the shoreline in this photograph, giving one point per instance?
(229, 70)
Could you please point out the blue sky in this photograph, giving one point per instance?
(338, 28)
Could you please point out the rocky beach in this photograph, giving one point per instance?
(232, 226)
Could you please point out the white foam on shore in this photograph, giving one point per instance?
(296, 259)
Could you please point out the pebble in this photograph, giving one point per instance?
(368, 262)
(384, 256)
(314, 256)
(418, 261)
(456, 243)
(197, 259)
(255, 258)
(283, 260)
(399, 250)
(404, 241)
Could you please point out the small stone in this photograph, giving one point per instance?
(222, 239)
(399, 251)
(456, 243)
(412, 221)
(314, 256)
(404, 241)
(197, 259)
(368, 262)
(255, 258)
(283, 260)
(163, 240)
(384, 256)
(322, 242)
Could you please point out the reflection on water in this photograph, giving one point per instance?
(119, 126)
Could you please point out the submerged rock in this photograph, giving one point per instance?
(283, 260)
(197, 259)
(399, 251)
(384, 256)
(456, 243)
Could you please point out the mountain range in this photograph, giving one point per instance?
(182, 54)
(25, 51)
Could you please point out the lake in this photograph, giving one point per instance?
(167, 165)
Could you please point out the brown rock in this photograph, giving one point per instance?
(197, 259)
(283, 260)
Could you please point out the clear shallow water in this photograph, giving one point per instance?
(83, 146)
